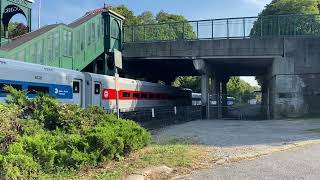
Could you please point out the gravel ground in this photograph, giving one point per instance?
(236, 141)
(297, 164)
(242, 133)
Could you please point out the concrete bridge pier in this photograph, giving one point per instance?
(216, 87)
(203, 68)
(224, 95)
(205, 96)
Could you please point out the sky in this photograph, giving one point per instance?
(66, 11)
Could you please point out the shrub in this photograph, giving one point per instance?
(10, 127)
(42, 136)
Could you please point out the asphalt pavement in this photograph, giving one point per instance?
(297, 164)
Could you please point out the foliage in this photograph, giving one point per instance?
(17, 29)
(238, 86)
(235, 85)
(131, 19)
(162, 26)
(178, 156)
(9, 125)
(241, 90)
(269, 25)
(190, 82)
(40, 135)
(277, 7)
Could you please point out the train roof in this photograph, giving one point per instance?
(99, 76)
(8, 63)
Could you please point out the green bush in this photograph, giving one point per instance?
(42, 136)
(9, 125)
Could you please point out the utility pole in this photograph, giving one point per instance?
(39, 15)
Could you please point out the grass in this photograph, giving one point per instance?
(181, 154)
(178, 153)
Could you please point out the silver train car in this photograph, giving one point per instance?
(197, 100)
(87, 89)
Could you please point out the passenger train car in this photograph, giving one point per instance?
(197, 100)
(87, 89)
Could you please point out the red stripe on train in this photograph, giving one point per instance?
(110, 94)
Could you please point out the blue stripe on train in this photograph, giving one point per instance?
(55, 90)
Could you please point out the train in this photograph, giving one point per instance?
(88, 89)
(197, 100)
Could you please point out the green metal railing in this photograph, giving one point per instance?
(245, 27)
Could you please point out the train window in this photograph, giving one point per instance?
(158, 96)
(144, 95)
(136, 95)
(97, 89)
(76, 87)
(151, 96)
(126, 94)
(15, 86)
(37, 89)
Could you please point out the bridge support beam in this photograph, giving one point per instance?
(216, 86)
(203, 68)
(224, 95)
(205, 96)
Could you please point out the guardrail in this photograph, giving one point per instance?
(244, 27)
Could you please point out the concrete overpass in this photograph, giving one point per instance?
(289, 67)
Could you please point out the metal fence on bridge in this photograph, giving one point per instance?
(246, 27)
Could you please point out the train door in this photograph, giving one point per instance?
(77, 92)
(96, 98)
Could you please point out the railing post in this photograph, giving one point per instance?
(228, 28)
(294, 26)
(212, 28)
(312, 25)
(132, 33)
(183, 30)
(244, 27)
(144, 33)
(261, 27)
(197, 29)
(279, 29)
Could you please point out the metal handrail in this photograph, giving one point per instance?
(239, 27)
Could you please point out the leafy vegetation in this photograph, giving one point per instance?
(181, 154)
(40, 136)
(288, 25)
(16, 29)
(235, 85)
(190, 82)
(164, 26)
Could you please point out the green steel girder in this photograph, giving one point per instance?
(72, 46)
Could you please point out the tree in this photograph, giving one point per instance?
(189, 82)
(17, 29)
(130, 18)
(281, 7)
(147, 27)
(241, 90)
(288, 20)
(147, 18)
(239, 86)
(236, 86)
